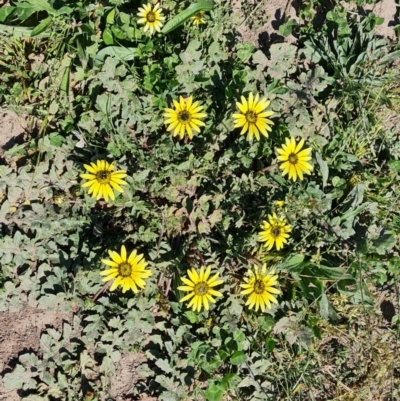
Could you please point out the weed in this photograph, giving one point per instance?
(197, 196)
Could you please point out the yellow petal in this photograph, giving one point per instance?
(116, 283)
(251, 101)
(115, 186)
(187, 282)
(205, 302)
(90, 169)
(123, 253)
(109, 263)
(109, 272)
(299, 146)
(115, 257)
(244, 129)
(185, 288)
(88, 176)
(193, 275)
(186, 297)
(88, 184)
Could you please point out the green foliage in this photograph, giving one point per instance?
(95, 87)
(185, 15)
(349, 51)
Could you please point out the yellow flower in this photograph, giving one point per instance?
(279, 203)
(151, 17)
(275, 232)
(252, 117)
(354, 180)
(128, 272)
(59, 198)
(200, 288)
(198, 18)
(185, 117)
(295, 160)
(259, 287)
(102, 179)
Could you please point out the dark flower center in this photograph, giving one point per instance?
(151, 16)
(293, 159)
(259, 287)
(103, 177)
(200, 289)
(276, 231)
(251, 117)
(184, 117)
(125, 269)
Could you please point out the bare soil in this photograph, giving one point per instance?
(19, 333)
(276, 12)
(126, 378)
(12, 129)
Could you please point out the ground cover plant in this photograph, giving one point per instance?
(226, 214)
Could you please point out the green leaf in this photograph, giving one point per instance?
(294, 331)
(323, 167)
(269, 344)
(125, 18)
(182, 17)
(110, 19)
(266, 323)
(283, 60)
(41, 27)
(65, 10)
(141, 176)
(223, 354)
(385, 242)
(293, 261)
(108, 36)
(203, 227)
(62, 381)
(56, 139)
(113, 149)
(389, 58)
(344, 232)
(244, 51)
(239, 336)
(325, 308)
(349, 215)
(121, 53)
(238, 357)
(260, 59)
(215, 391)
(26, 8)
(230, 380)
(23, 13)
(17, 150)
(193, 318)
(53, 108)
(66, 73)
(395, 164)
(287, 28)
(39, 5)
(5, 12)
(311, 287)
(16, 379)
(329, 273)
(164, 365)
(215, 217)
(347, 287)
(118, 32)
(304, 336)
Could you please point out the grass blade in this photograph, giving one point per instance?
(182, 17)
